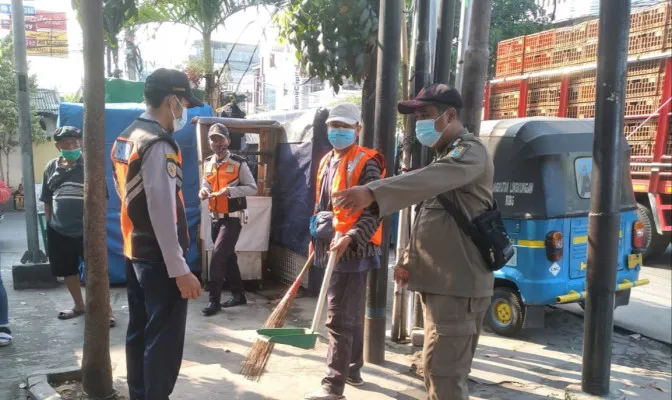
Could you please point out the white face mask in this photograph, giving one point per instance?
(181, 121)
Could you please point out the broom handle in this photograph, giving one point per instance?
(294, 289)
(325, 286)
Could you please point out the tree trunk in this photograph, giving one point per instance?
(211, 89)
(108, 52)
(96, 364)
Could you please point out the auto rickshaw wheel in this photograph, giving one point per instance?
(506, 313)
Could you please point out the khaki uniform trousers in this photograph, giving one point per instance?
(452, 328)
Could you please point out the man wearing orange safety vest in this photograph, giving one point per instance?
(147, 165)
(358, 250)
(227, 180)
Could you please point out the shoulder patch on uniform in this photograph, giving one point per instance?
(171, 164)
(122, 150)
(458, 151)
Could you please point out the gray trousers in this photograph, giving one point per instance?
(452, 328)
(346, 331)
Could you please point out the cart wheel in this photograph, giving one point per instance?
(506, 313)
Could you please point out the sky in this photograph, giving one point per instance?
(167, 45)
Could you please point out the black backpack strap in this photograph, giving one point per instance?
(461, 219)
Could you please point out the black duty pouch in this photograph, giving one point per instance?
(487, 231)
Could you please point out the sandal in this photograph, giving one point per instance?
(5, 336)
(69, 314)
(113, 322)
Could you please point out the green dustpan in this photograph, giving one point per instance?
(301, 337)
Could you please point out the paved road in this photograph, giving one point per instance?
(650, 310)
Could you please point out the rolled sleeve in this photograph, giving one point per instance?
(246, 186)
(160, 190)
(446, 174)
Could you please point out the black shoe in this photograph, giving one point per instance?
(236, 300)
(212, 309)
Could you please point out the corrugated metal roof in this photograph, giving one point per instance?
(45, 101)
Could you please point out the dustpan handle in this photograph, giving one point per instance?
(325, 286)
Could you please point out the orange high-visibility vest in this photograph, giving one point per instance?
(136, 228)
(347, 175)
(226, 174)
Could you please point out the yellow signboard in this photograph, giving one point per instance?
(47, 43)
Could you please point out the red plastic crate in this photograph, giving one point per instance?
(583, 92)
(641, 106)
(582, 110)
(643, 86)
(543, 96)
(540, 41)
(540, 81)
(504, 101)
(668, 35)
(649, 41)
(646, 67)
(537, 61)
(511, 47)
(649, 17)
(504, 114)
(507, 86)
(509, 66)
(584, 76)
(645, 132)
(563, 37)
(589, 53)
(567, 56)
(593, 29)
(549, 111)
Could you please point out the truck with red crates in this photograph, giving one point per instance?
(553, 73)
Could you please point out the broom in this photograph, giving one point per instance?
(255, 360)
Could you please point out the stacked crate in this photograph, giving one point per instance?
(569, 46)
(510, 57)
(538, 51)
(543, 96)
(504, 100)
(650, 29)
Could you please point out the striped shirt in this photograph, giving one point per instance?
(362, 255)
(63, 189)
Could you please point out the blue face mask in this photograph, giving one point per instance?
(341, 138)
(426, 133)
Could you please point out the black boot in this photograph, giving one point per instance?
(235, 300)
(212, 309)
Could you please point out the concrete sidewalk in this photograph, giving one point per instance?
(536, 366)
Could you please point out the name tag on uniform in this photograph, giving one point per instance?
(230, 169)
(122, 150)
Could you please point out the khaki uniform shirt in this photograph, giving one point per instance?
(440, 258)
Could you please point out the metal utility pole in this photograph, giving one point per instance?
(389, 31)
(444, 42)
(476, 65)
(399, 331)
(605, 217)
(33, 254)
(465, 22)
(423, 65)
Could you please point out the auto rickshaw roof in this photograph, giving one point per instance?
(540, 136)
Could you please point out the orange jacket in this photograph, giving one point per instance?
(349, 171)
(226, 174)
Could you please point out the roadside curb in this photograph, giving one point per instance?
(39, 385)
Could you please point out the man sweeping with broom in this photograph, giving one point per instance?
(357, 251)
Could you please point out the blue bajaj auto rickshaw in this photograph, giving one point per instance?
(542, 186)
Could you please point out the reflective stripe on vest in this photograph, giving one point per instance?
(138, 235)
(347, 175)
(226, 174)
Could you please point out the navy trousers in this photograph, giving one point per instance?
(155, 337)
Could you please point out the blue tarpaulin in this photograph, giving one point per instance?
(117, 118)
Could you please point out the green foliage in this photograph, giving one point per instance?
(117, 14)
(332, 39)
(513, 18)
(9, 113)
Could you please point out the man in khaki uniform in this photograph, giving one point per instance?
(441, 262)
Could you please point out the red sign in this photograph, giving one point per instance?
(48, 20)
